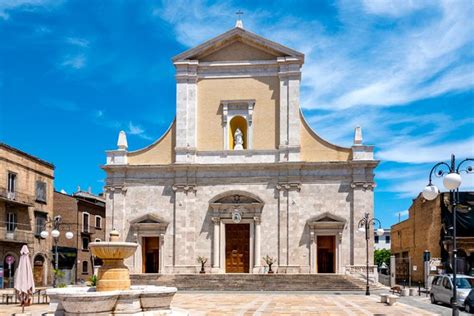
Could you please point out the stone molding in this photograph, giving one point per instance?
(289, 186)
(186, 188)
(368, 185)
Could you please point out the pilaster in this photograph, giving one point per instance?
(290, 78)
(186, 109)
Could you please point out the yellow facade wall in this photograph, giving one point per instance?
(265, 91)
(161, 152)
(237, 51)
(315, 149)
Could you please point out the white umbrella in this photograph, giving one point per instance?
(24, 282)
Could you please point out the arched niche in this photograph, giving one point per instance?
(238, 122)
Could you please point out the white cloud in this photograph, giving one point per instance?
(137, 130)
(75, 61)
(9, 5)
(80, 42)
(402, 213)
(394, 8)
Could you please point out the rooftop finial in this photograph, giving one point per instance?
(122, 141)
(239, 22)
(358, 136)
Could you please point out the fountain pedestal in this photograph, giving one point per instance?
(113, 294)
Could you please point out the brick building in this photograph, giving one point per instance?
(26, 203)
(83, 213)
(428, 227)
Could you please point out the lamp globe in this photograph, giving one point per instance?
(69, 235)
(44, 234)
(430, 192)
(452, 181)
(55, 233)
(380, 232)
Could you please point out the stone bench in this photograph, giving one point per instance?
(392, 299)
(383, 298)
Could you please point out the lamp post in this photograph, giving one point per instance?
(364, 226)
(451, 181)
(55, 233)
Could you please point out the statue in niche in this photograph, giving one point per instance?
(238, 140)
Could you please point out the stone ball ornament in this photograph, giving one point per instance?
(452, 181)
(430, 192)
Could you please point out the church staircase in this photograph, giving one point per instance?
(251, 282)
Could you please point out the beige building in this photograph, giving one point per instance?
(26, 203)
(240, 174)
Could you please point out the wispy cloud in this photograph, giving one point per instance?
(28, 5)
(137, 130)
(74, 61)
(81, 42)
(402, 213)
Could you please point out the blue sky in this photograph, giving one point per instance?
(74, 73)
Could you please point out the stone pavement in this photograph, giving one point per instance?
(270, 303)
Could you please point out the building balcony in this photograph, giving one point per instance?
(16, 198)
(16, 236)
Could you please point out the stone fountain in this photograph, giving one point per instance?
(113, 294)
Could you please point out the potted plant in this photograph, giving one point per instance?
(202, 261)
(269, 261)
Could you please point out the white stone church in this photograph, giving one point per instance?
(239, 174)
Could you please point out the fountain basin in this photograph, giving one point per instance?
(112, 250)
(137, 301)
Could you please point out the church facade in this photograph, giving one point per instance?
(240, 175)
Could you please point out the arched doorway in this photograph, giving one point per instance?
(237, 232)
(39, 269)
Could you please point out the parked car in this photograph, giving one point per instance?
(442, 288)
(469, 303)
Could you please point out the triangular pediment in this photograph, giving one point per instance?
(327, 218)
(230, 43)
(148, 219)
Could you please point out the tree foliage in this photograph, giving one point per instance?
(381, 256)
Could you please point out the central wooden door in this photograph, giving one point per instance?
(151, 254)
(326, 254)
(237, 248)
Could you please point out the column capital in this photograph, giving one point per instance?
(363, 185)
(257, 220)
(288, 186)
(216, 220)
(184, 188)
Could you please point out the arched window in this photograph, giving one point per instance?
(238, 123)
(85, 267)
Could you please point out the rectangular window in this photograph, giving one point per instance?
(98, 222)
(387, 239)
(11, 222)
(85, 243)
(41, 191)
(85, 222)
(40, 223)
(376, 239)
(11, 182)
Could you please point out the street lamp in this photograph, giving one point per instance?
(451, 181)
(364, 226)
(55, 233)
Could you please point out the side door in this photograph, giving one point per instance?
(447, 290)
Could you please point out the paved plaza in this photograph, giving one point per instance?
(271, 303)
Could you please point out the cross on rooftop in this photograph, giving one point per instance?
(239, 22)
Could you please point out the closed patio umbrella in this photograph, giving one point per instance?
(24, 282)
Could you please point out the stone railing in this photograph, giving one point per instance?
(18, 235)
(359, 271)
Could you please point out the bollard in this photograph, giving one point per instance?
(419, 288)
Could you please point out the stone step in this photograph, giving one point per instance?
(252, 282)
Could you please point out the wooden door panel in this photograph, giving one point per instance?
(237, 248)
(326, 254)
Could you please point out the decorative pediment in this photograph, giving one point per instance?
(236, 197)
(237, 37)
(148, 219)
(327, 221)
